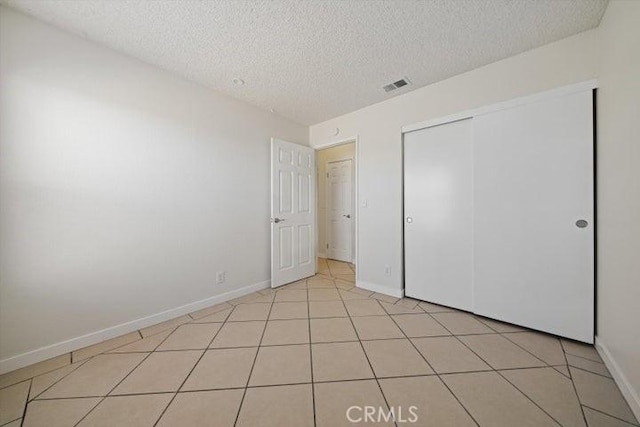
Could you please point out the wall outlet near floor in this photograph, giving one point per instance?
(221, 276)
(387, 270)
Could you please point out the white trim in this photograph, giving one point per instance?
(355, 139)
(322, 255)
(564, 90)
(629, 393)
(398, 293)
(57, 349)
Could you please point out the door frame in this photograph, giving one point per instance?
(352, 234)
(356, 190)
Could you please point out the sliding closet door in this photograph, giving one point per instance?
(438, 214)
(534, 213)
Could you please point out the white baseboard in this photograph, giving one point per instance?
(321, 255)
(398, 293)
(57, 349)
(629, 393)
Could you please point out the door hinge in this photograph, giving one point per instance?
(327, 174)
(327, 246)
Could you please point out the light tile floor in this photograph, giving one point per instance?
(303, 354)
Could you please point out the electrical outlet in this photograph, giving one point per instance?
(221, 276)
(387, 270)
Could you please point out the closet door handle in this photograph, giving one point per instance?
(409, 219)
(582, 223)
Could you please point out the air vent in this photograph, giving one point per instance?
(396, 85)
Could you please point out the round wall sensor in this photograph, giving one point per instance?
(238, 81)
(335, 131)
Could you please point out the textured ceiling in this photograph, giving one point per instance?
(314, 60)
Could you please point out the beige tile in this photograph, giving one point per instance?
(44, 381)
(407, 302)
(550, 390)
(399, 309)
(194, 336)
(448, 355)
(435, 308)
(289, 310)
(462, 323)
(320, 282)
(545, 347)
(349, 295)
(360, 291)
(435, 406)
(385, 298)
(291, 295)
(203, 408)
(59, 412)
(265, 298)
(499, 326)
(16, 423)
(563, 369)
(239, 334)
(376, 327)
(136, 411)
(96, 377)
(267, 291)
(245, 299)
(346, 277)
(585, 351)
(319, 309)
(588, 365)
(395, 358)
(368, 307)
(169, 324)
(160, 372)
(299, 285)
(602, 394)
(31, 371)
(324, 295)
(419, 325)
(104, 346)
(333, 400)
(219, 317)
(243, 312)
(343, 284)
(12, 401)
(332, 330)
(278, 406)
(210, 310)
(492, 401)
(218, 369)
(287, 364)
(144, 345)
(280, 332)
(598, 419)
(499, 352)
(339, 361)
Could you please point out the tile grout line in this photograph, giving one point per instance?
(188, 375)
(498, 372)
(313, 388)
(244, 394)
(609, 415)
(573, 384)
(373, 372)
(82, 362)
(103, 398)
(434, 371)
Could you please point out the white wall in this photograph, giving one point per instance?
(123, 188)
(618, 156)
(380, 150)
(340, 152)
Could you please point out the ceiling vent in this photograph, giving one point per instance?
(396, 85)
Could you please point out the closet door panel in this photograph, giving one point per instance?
(438, 214)
(533, 194)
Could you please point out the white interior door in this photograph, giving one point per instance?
(340, 218)
(438, 205)
(534, 212)
(293, 216)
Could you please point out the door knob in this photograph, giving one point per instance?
(581, 223)
(409, 219)
(347, 216)
(277, 220)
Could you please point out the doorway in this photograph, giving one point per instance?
(337, 213)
